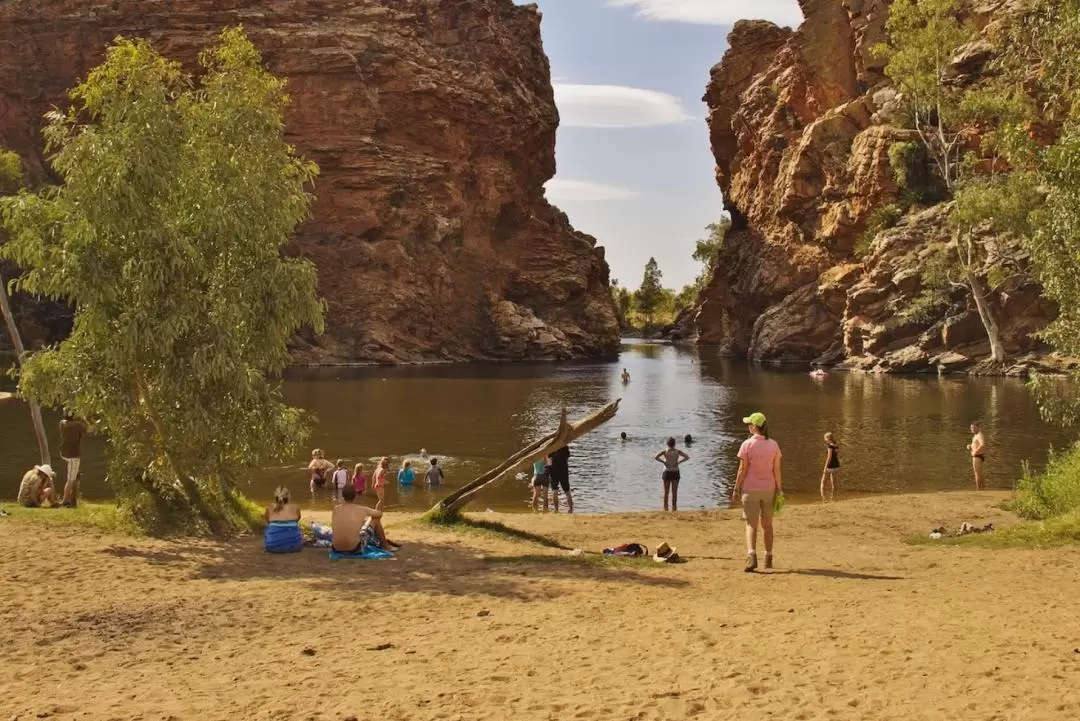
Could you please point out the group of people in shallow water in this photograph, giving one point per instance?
(323, 472)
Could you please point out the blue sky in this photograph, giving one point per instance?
(634, 165)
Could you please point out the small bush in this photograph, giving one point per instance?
(914, 173)
(881, 219)
(1054, 492)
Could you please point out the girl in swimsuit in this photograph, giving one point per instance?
(378, 481)
(832, 465)
(672, 458)
(359, 479)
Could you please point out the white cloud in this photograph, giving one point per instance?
(616, 106)
(715, 12)
(559, 190)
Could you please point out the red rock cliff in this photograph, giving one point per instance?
(433, 122)
(801, 124)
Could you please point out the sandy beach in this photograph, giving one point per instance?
(854, 623)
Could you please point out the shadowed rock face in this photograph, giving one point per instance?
(801, 123)
(433, 122)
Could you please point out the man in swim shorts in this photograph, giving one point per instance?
(351, 524)
(559, 472)
(978, 453)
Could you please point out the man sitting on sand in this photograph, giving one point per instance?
(37, 487)
(355, 526)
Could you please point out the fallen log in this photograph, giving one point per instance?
(565, 433)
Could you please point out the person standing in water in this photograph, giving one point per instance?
(625, 376)
(978, 453)
(406, 475)
(832, 467)
(340, 479)
(378, 481)
(672, 458)
(359, 479)
(540, 481)
(560, 476)
(318, 468)
(434, 475)
(757, 486)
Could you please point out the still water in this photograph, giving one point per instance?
(897, 434)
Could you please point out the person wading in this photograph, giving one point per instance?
(672, 458)
(978, 453)
(757, 486)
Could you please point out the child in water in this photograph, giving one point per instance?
(434, 475)
(540, 482)
(832, 466)
(378, 481)
(406, 475)
(359, 479)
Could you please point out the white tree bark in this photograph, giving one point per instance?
(16, 342)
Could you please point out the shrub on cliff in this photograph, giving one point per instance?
(166, 234)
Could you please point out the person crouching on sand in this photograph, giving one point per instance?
(757, 486)
(832, 467)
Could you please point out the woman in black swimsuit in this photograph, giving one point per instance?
(832, 467)
(672, 458)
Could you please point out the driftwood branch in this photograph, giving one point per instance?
(566, 432)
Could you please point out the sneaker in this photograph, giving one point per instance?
(768, 560)
(751, 563)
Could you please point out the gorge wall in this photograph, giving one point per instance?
(801, 124)
(433, 123)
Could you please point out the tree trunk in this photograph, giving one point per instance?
(997, 348)
(16, 341)
(452, 504)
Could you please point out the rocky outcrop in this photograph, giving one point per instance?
(801, 126)
(433, 122)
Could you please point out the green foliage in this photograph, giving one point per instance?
(881, 219)
(1054, 492)
(10, 172)
(914, 173)
(649, 295)
(707, 252)
(933, 297)
(102, 517)
(922, 37)
(166, 237)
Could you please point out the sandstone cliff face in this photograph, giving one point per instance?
(433, 122)
(801, 124)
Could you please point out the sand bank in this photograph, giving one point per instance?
(852, 624)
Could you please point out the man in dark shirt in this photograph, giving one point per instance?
(72, 431)
(560, 477)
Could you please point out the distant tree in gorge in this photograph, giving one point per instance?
(178, 194)
(651, 291)
(622, 299)
(707, 251)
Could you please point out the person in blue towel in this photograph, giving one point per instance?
(282, 534)
(356, 526)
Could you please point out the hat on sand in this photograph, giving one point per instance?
(666, 554)
(46, 469)
(755, 419)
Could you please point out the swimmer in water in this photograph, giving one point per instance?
(625, 376)
(622, 436)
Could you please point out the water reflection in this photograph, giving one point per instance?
(897, 433)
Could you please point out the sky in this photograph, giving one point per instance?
(634, 164)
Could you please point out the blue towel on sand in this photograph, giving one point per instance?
(368, 553)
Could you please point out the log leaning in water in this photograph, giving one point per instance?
(567, 432)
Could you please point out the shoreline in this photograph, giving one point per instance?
(855, 622)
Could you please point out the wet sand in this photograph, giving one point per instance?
(852, 624)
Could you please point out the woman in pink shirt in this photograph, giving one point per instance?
(757, 486)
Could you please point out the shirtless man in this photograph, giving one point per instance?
(978, 453)
(625, 376)
(348, 523)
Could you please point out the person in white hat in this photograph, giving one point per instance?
(37, 487)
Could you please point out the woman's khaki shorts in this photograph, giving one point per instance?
(756, 504)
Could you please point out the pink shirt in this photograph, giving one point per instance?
(759, 453)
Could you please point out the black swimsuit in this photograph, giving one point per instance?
(834, 457)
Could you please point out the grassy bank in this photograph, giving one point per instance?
(106, 517)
